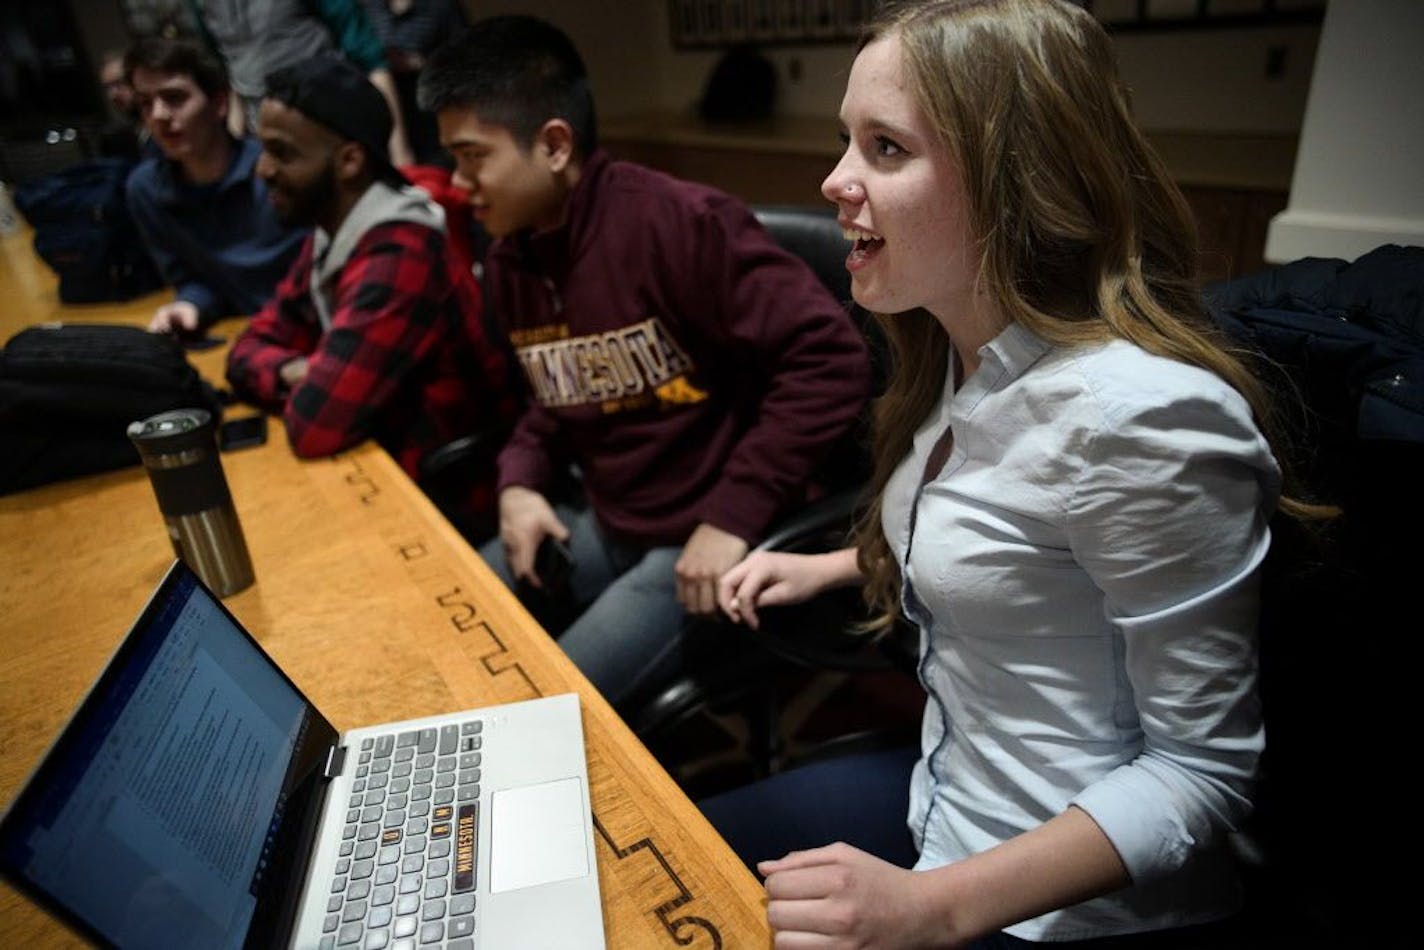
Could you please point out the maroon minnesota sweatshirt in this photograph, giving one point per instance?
(691, 368)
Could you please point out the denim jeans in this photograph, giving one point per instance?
(627, 626)
(859, 799)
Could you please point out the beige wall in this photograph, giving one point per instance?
(1357, 183)
(1215, 80)
(1182, 81)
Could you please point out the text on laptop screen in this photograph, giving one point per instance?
(166, 793)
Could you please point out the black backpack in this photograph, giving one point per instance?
(84, 232)
(69, 391)
(1339, 650)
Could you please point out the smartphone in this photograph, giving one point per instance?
(553, 562)
(241, 433)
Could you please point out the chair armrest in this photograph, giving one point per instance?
(481, 446)
(808, 525)
(448, 475)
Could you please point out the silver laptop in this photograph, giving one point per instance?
(198, 799)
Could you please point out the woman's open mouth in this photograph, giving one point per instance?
(863, 247)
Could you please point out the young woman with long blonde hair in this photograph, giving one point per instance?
(1071, 501)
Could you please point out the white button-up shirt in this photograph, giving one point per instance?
(1084, 570)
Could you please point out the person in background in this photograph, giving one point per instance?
(117, 91)
(199, 205)
(376, 331)
(409, 30)
(123, 131)
(256, 37)
(1071, 500)
(692, 370)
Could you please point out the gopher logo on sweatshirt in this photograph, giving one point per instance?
(620, 369)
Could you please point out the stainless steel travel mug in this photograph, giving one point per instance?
(180, 451)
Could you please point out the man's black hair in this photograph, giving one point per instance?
(515, 71)
(333, 93)
(178, 57)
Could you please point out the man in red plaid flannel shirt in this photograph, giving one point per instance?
(377, 330)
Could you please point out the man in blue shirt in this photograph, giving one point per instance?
(203, 212)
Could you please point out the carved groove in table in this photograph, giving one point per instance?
(497, 660)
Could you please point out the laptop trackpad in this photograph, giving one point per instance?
(538, 835)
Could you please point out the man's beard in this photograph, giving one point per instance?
(306, 206)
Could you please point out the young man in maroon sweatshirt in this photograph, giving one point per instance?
(692, 371)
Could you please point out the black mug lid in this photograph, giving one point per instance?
(173, 431)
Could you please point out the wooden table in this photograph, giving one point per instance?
(375, 607)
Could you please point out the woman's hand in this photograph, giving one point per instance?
(775, 579)
(840, 896)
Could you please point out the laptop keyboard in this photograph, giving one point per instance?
(405, 878)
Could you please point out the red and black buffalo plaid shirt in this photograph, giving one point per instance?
(407, 361)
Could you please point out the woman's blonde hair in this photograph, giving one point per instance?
(1082, 235)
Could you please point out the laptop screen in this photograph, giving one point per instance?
(155, 817)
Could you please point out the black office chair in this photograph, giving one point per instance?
(763, 689)
(446, 473)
